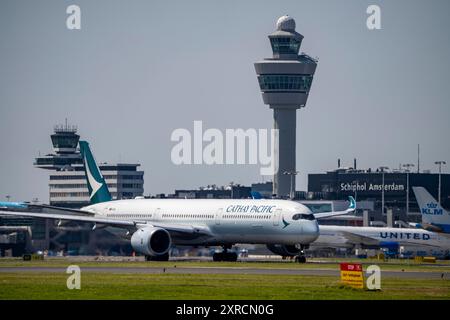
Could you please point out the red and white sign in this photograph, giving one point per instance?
(351, 267)
(352, 275)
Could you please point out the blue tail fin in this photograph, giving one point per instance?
(98, 190)
(256, 195)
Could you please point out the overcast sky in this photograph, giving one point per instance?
(137, 70)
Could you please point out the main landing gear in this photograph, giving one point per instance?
(225, 255)
(164, 257)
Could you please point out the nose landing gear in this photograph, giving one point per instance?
(300, 258)
(225, 255)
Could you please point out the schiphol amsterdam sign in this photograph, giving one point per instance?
(346, 186)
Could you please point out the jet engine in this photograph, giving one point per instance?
(151, 241)
(284, 250)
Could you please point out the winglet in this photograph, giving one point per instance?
(351, 208)
(256, 195)
(352, 205)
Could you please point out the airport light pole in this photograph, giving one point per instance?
(439, 163)
(382, 187)
(355, 184)
(408, 166)
(292, 174)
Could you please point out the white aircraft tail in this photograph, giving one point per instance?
(432, 212)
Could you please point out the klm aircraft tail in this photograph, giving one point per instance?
(98, 190)
(433, 215)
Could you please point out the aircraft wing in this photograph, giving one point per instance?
(126, 224)
(71, 217)
(350, 209)
(26, 205)
(73, 211)
(356, 238)
(182, 230)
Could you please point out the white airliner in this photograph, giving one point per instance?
(286, 227)
(379, 237)
(432, 233)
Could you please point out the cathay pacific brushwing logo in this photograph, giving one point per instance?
(285, 223)
(95, 185)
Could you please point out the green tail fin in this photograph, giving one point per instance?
(98, 190)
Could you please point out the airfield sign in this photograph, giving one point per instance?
(352, 275)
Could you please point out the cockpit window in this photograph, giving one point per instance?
(303, 216)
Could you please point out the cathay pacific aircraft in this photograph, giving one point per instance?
(286, 227)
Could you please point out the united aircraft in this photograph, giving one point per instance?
(154, 225)
(380, 237)
(432, 233)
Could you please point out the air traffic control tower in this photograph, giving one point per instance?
(285, 80)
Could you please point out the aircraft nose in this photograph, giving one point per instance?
(311, 231)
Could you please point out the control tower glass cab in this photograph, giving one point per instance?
(65, 139)
(285, 81)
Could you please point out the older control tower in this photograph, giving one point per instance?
(285, 80)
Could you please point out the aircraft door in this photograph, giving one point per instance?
(157, 214)
(218, 216)
(276, 217)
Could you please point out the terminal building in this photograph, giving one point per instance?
(68, 188)
(366, 186)
(231, 191)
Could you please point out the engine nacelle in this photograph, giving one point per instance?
(151, 241)
(284, 250)
(415, 225)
